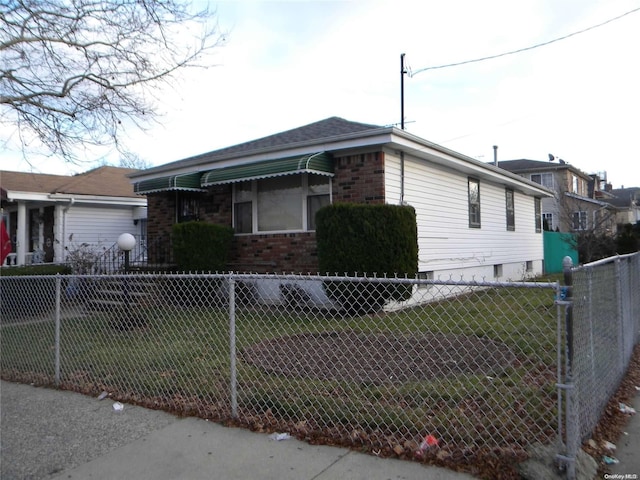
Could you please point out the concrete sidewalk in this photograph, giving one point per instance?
(53, 434)
(628, 448)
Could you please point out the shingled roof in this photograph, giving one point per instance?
(624, 197)
(524, 165)
(327, 128)
(103, 181)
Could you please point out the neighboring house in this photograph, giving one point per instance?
(579, 201)
(473, 219)
(48, 215)
(627, 201)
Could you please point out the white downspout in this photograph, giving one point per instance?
(21, 234)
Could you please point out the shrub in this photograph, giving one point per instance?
(628, 240)
(355, 239)
(83, 258)
(40, 269)
(201, 246)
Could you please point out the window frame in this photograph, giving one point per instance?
(182, 200)
(582, 218)
(475, 212)
(510, 209)
(548, 175)
(308, 190)
(537, 207)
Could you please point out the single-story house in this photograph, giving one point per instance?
(474, 219)
(49, 215)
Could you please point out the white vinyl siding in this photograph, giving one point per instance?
(446, 243)
(99, 226)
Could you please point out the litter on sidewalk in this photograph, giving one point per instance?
(627, 409)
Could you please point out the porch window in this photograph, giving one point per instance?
(510, 209)
(283, 203)
(474, 202)
(538, 216)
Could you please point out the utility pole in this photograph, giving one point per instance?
(402, 72)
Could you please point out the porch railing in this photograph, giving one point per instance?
(149, 251)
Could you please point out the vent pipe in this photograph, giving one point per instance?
(495, 155)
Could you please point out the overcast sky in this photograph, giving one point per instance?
(287, 64)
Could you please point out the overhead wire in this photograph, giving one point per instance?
(520, 50)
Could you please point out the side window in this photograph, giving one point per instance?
(474, 202)
(510, 209)
(548, 222)
(538, 215)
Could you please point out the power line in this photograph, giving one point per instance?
(491, 57)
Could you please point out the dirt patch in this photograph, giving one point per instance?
(378, 358)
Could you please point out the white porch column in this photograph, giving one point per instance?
(21, 234)
(58, 234)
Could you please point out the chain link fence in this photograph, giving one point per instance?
(606, 328)
(450, 372)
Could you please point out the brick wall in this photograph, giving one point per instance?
(161, 213)
(275, 253)
(358, 179)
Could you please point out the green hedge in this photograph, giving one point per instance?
(201, 246)
(356, 239)
(39, 269)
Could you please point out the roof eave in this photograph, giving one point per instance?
(471, 166)
(209, 160)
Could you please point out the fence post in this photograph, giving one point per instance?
(232, 347)
(571, 428)
(57, 333)
(619, 302)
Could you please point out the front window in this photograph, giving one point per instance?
(243, 208)
(188, 207)
(280, 203)
(283, 203)
(579, 220)
(318, 197)
(510, 210)
(474, 203)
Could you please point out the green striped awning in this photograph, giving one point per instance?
(186, 181)
(318, 163)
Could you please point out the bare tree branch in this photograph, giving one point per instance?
(72, 71)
